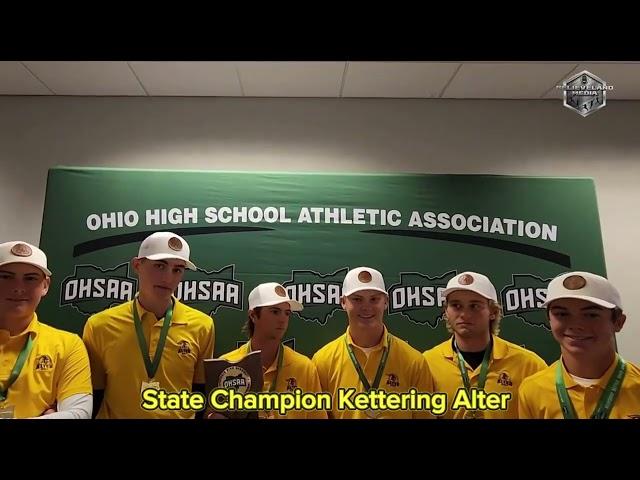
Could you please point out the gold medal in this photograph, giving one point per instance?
(473, 414)
(150, 384)
(371, 413)
(267, 415)
(7, 411)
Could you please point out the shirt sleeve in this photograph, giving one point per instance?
(423, 382)
(74, 407)
(75, 375)
(322, 374)
(313, 385)
(205, 352)
(524, 409)
(98, 374)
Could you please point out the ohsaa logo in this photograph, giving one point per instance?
(92, 289)
(419, 297)
(208, 291)
(524, 298)
(235, 378)
(319, 293)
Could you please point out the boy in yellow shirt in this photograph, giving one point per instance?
(44, 372)
(283, 368)
(153, 341)
(590, 380)
(475, 356)
(367, 357)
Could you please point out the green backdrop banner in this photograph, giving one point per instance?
(305, 230)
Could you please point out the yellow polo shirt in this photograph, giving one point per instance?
(405, 368)
(116, 360)
(538, 397)
(509, 365)
(297, 372)
(56, 368)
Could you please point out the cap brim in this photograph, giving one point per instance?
(360, 289)
(44, 270)
(597, 301)
(165, 256)
(295, 306)
(447, 291)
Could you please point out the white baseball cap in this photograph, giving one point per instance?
(23, 252)
(267, 294)
(473, 282)
(584, 286)
(362, 278)
(164, 246)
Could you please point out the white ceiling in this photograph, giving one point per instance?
(510, 80)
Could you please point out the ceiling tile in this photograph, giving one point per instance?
(624, 77)
(15, 79)
(291, 79)
(87, 78)
(506, 80)
(397, 79)
(216, 79)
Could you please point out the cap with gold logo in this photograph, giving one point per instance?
(23, 252)
(362, 278)
(584, 286)
(166, 246)
(267, 294)
(473, 282)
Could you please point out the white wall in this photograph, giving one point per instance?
(511, 137)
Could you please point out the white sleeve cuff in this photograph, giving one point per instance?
(74, 407)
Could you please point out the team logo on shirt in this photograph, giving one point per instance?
(183, 348)
(44, 363)
(505, 379)
(524, 298)
(392, 380)
(419, 297)
(292, 384)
